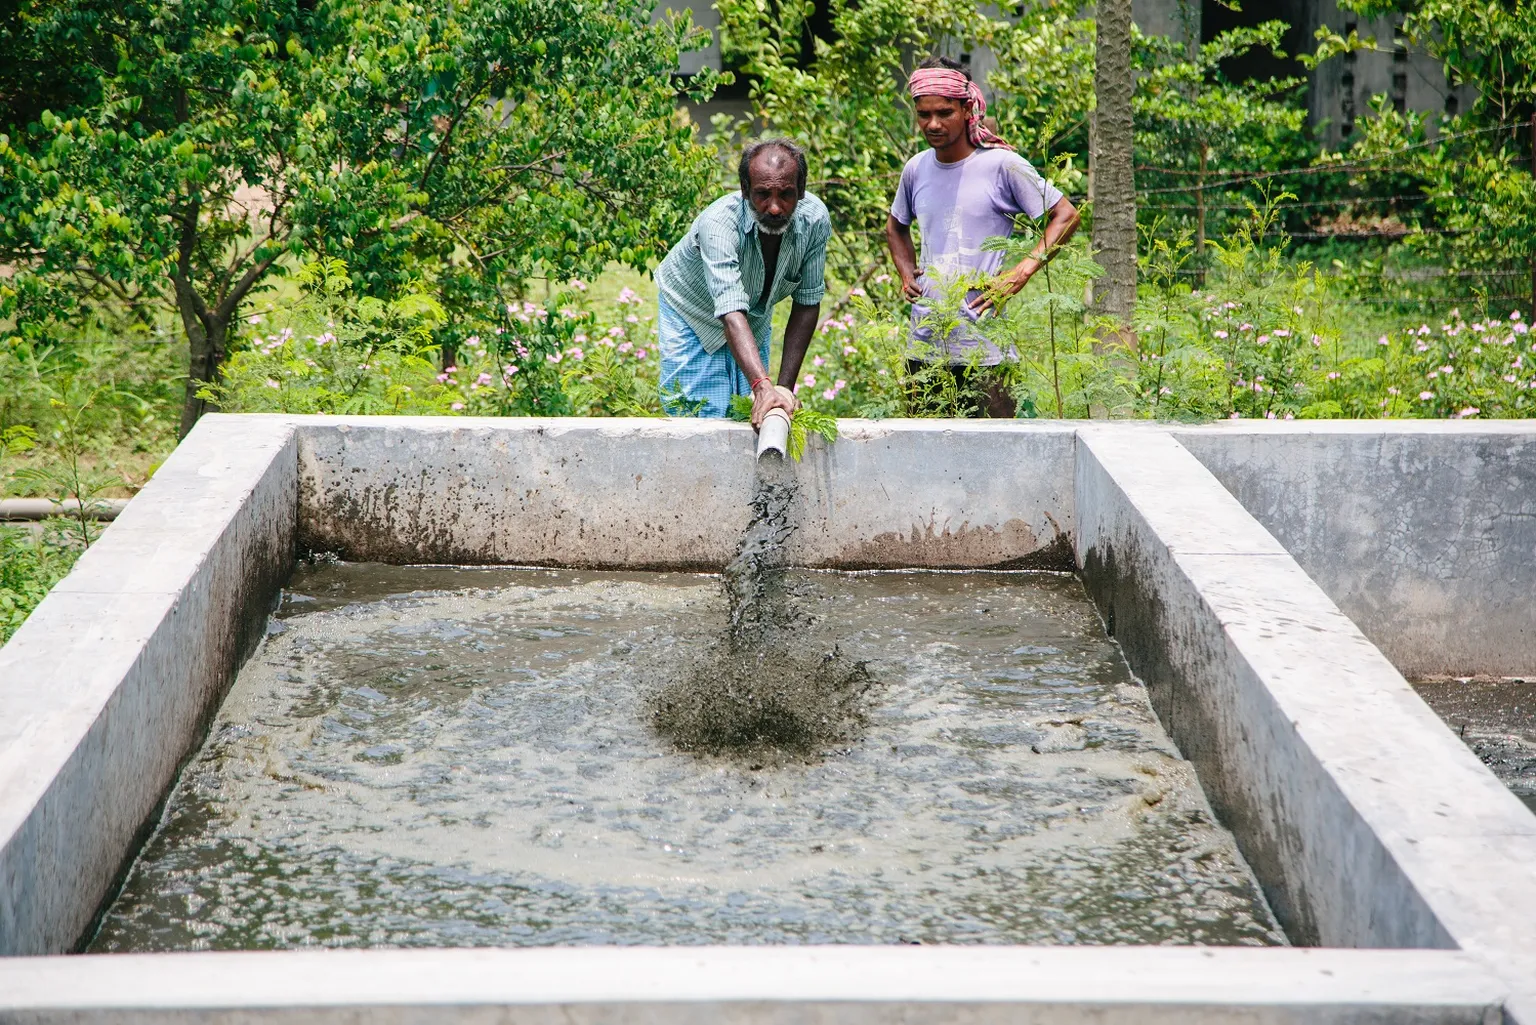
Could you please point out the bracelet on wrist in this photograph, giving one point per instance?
(752, 385)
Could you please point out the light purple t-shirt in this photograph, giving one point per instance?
(957, 207)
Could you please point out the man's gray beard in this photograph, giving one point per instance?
(769, 229)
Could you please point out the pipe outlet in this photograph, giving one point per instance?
(773, 433)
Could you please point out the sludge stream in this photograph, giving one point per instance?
(429, 756)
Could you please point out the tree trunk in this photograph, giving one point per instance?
(1114, 208)
(207, 336)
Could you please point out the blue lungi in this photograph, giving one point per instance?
(695, 382)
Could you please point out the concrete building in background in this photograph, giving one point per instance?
(1338, 93)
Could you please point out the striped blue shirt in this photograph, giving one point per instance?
(718, 267)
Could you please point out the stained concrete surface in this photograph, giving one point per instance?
(1423, 532)
(673, 494)
(110, 682)
(1269, 689)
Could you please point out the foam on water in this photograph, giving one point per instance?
(451, 757)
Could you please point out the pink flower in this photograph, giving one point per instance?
(1426, 395)
(840, 384)
(817, 361)
(1281, 332)
(881, 279)
(1469, 411)
(626, 346)
(473, 341)
(1383, 340)
(1263, 339)
(457, 406)
(555, 357)
(575, 352)
(632, 319)
(639, 354)
(578, 284)
(829, 394)
(484, 378)
(509, 369)
(810, 379)
(1334, 375)
(1219, 334)
(628, 296)
(273, 384)
(579, 339)
(849, 350)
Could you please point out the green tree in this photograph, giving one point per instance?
(181, 150)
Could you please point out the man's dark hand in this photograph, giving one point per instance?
(911, 291)
(1002, 288)
(765, 397)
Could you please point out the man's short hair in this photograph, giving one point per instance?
(795, 153)
(945, 62)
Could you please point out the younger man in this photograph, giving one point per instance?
(968, 187)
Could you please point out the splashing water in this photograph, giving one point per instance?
(760, 691)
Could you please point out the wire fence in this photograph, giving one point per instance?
(1365, 213)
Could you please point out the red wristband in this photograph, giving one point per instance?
(752, 385)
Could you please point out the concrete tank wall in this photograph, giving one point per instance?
(110, 683)
(1423, 532)
(675, 493)
(1365, 820)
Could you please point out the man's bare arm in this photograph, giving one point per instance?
(738, 336)
(797, 339)
(1060, 223)
(898, 238)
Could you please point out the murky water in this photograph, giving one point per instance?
(455, 757)
(1496, 717)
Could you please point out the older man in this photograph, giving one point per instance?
(969, 186)
(717, 288)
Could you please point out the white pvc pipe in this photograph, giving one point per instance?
(773, 433)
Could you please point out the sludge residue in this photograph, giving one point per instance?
(763, 689)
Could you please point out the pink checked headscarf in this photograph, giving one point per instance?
(945, 82)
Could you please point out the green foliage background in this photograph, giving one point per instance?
(443, 207)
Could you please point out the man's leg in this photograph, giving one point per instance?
(996, 401)
(693, 382)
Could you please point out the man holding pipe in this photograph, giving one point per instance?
(966, 188)
(717, 289)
